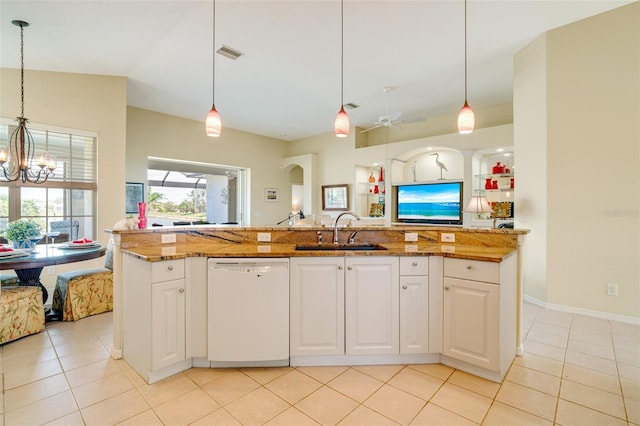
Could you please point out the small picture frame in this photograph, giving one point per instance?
(271, 195)
(335, 197)
(134, 193)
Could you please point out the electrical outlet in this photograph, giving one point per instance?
(264, 237)
(612, 289)
(447, 237)
(168, 238)
(411, 236)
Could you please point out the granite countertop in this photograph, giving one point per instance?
(157, 253)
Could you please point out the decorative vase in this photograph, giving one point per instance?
(498, 168)
(371, 178)
(26, 245)
(381, 178)
(488, 184)
(142, 215)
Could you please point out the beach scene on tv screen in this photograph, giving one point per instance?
(433, 202)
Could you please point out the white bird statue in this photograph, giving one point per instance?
(440, 164)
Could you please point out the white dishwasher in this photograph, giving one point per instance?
(248, 312)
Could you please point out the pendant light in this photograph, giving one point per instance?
(213, 123)
(19, 163)
(341, 125)
(466, 119)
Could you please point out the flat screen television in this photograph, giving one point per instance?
(438, 203)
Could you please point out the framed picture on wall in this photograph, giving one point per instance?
(271, 194)
(335, 197)
(134, 193)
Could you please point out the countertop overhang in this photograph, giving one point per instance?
(203, 249)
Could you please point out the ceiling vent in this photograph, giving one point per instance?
(230, 52)
(351, 105)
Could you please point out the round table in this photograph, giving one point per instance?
(28, 268)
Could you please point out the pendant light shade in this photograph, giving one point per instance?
(466, 119)
(213, 124)
(341, 125)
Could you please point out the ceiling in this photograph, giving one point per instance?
(287, 83)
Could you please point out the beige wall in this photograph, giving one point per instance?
(154, 134)
(588, 141)
(84, 102)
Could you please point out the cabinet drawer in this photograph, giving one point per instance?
(410, 265)
(474, 270)
(167, 270)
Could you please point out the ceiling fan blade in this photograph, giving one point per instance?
(371, 128)
(395, 116)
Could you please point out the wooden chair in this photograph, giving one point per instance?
(79, 294)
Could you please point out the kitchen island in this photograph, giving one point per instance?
(414, 299)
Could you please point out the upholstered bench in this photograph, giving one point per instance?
(79, 294)
(21, 312)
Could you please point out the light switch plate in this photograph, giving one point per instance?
(264, 237)
(448, 237)
(168, 238)
(411, 236)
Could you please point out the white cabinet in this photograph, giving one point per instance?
(317, 306)
(168, 323)
(414, 305)
(479, 315)
(154, 317)
(371, 305)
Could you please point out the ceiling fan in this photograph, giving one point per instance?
(388, 119)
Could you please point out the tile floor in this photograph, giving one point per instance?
(577, 371)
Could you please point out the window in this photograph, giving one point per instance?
(188, 192)
(69, 195)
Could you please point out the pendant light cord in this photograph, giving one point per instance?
(213, 62)
(465, 51)
(22, 70)
(341, 53)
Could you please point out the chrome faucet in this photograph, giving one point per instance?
(335, 225)
(352, 237)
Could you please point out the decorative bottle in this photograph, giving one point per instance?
(371, 178)
(381, 178)
(142, 215)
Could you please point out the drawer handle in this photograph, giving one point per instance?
(339, 268)
(404, 287)
(414, 264)
(349, 268)
(468, 266)
(181, 290)
(446, 288)
(170, 267)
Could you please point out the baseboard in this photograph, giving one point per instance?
(582, 311)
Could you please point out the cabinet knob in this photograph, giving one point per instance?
(404, 287)
(414, 264)
(349, 268)
(181, 290)
(170, 267)
(468, 266)
(446, 288)
(339, 268)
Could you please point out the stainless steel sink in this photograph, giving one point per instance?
(325, 247)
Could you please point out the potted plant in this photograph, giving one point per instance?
(23, 233)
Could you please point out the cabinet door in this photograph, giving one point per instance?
(414, 314)
(372, 305)
(167, 323)
(470, 329)
(317, 306)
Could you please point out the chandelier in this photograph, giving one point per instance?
(19, 163)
